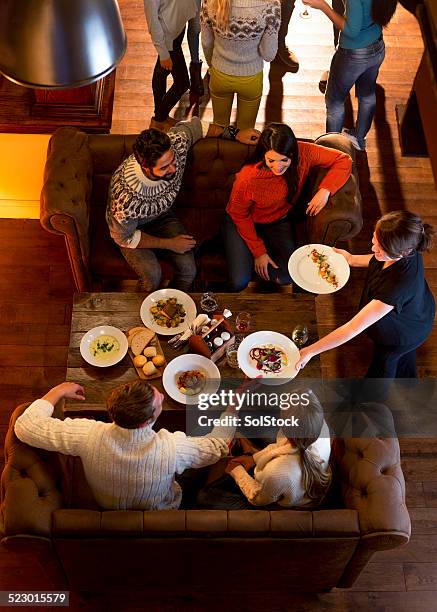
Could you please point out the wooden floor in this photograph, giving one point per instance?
(36, 291)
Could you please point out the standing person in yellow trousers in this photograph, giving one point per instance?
(237, 37)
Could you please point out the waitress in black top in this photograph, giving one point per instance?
(397, 307)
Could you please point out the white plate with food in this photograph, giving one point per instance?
(188, 375)
(103, 346)
(270, 355)
(168, 311)
(318, 268)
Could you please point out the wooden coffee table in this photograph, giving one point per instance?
(279, 312)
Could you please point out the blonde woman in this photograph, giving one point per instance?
(237, 37)
(294, 471)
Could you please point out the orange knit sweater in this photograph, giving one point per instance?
(259, 196)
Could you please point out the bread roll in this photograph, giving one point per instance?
(150, 351)
(158, 360)
(149, 369)
(140, 340)
(140, 361)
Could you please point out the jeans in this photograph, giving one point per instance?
(279, 240)
(146, 265)
(223, 87)
(166, 100)
(350, 67)
(287, 7)
(193, 33)
(223, 494)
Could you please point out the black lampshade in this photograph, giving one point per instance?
(55, 44)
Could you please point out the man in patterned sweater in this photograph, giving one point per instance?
(127, 464)
(141, 196)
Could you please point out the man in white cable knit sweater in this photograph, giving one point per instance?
(127, 464)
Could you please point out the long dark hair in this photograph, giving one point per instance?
(280, 138)
(401, 232)
(383, 11)
(316, 478)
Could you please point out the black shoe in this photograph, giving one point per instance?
(323, 81)
(288, 59)
(196, 83)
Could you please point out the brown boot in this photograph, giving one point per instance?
(288, 58)
(196, 83)
(164, 126)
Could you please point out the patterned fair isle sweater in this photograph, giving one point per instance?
(135, 200)
(250, 38)
(125, 468)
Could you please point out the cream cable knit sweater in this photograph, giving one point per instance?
(251, 36)
(125, 468)
(278, 472)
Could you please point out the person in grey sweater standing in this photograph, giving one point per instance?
(127, 464)
(237, 36)
(166, 20)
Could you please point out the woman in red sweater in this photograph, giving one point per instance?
(258, 227)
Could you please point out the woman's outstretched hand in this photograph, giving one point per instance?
(262, 266)
(305, 355)
(348, 256)
(318, 202)
(317, 4)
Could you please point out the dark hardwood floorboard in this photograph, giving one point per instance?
(36, 291)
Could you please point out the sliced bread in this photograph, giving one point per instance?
(140, 340)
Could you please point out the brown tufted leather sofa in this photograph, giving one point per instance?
(48, 510)
(77, 174)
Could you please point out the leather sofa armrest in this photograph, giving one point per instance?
(30, 489)
(341, 219)
(373, 484)
(64, 201)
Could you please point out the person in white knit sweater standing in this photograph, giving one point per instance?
(237, 36)
(127, 464)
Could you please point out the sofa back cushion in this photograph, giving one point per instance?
(209, 175)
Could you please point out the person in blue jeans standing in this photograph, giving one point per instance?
(357, 60)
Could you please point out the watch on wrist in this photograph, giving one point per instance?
(230, 133)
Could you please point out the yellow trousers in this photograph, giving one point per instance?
(223, 87)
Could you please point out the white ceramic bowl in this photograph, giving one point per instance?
(183, 363)
(261, 338)
(305, 272)
(100, 331)
(164, 294)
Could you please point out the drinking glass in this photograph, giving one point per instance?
(300, 335)
(231, 354)
(208, 302)
(242, 322)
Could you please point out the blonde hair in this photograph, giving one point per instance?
(316, 478)
(221, 10)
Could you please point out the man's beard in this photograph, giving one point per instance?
(166, 177)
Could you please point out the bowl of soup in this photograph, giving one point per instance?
(103, 346)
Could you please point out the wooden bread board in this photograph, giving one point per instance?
(153, 342)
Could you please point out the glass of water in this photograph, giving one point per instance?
(300, 335)
(231, 354)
